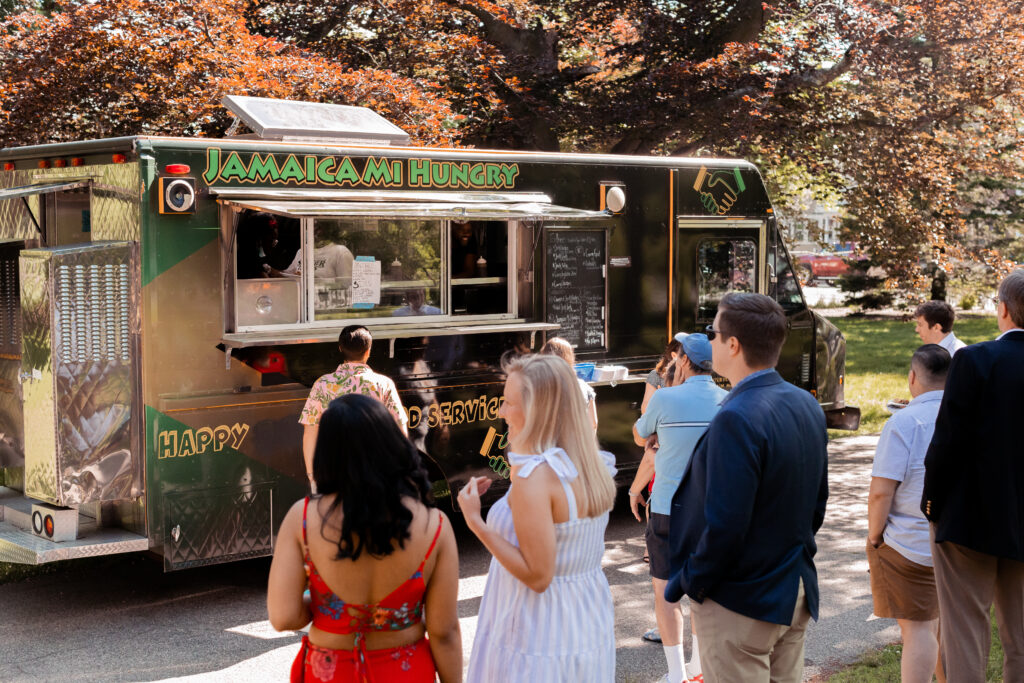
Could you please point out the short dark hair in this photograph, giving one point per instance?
(362, 456)
(758, 322)
(354, 341)
(931, 363)
(936, 313)
(694, 368)
(1011, 293)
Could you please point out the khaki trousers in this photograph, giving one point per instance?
(737, 648)
(968, 582)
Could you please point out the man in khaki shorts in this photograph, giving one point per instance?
(899, 554)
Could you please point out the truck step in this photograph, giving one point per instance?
(19, 545)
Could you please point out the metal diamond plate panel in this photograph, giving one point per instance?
(15, 223)
(116, 201)
(79, 387)
(37, 387)
(23, 547)
(220, 525)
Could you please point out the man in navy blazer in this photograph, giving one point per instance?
(974, 497)
(744, 516)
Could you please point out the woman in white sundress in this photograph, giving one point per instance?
(546, 614)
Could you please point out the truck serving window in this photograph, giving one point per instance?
(365, 268)
(723, 266)
(479, 267)
(371, 268)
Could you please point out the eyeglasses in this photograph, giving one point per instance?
(710, 331)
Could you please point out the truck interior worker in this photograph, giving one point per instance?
(267, 244)
(465, 249)
(332, 273)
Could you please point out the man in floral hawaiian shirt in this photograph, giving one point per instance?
(353, 376)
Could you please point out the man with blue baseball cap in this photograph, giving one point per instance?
(679, 415)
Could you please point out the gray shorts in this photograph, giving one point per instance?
(657, 545)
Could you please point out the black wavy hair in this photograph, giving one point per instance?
(362, 456)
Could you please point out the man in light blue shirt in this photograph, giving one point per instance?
(679, 415)
(899, 553)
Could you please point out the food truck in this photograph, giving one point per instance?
(167, 303)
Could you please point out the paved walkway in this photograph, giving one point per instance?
(846, 629)
(124, 620)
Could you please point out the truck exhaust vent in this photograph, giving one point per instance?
(10, 302)
(93, 309)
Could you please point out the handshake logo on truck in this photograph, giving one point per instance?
(719, 189)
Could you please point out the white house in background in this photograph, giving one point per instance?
(812, 226)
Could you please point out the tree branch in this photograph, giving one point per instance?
(537, 44)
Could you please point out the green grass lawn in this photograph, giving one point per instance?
(882, 666)
(878, 358)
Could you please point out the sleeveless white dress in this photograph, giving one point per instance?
(567, 632)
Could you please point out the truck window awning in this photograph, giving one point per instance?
(331, 194)
(42, 188)
(481, 210)
(321, 335)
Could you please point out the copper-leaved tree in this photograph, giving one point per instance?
(123, 67)
(900, 105)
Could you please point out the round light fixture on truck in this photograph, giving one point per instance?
(615, 199)
(177, 195)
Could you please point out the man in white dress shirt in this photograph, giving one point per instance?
(934, 325)
(899, 552)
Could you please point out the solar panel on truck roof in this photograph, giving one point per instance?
(291, 120)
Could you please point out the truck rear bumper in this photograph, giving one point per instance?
(847, 418)
(19, 545)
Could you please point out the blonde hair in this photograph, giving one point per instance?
(557, 346)
(555, 415)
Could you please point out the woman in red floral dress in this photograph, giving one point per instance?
(380, 563)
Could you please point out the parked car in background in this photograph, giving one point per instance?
(824, 266)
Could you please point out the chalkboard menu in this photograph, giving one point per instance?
(574, 277)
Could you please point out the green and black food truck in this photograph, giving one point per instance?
(166, 304)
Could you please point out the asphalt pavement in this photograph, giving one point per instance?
(123, 619)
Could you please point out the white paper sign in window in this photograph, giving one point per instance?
(365, 281)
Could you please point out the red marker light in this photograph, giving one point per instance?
(119, 158)
(177, 169)
(59, 163)
(43, 163)
(8, 166)
(77, 161)
(48, 523)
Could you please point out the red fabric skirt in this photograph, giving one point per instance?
(407, 663)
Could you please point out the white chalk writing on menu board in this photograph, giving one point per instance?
(575, 277)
